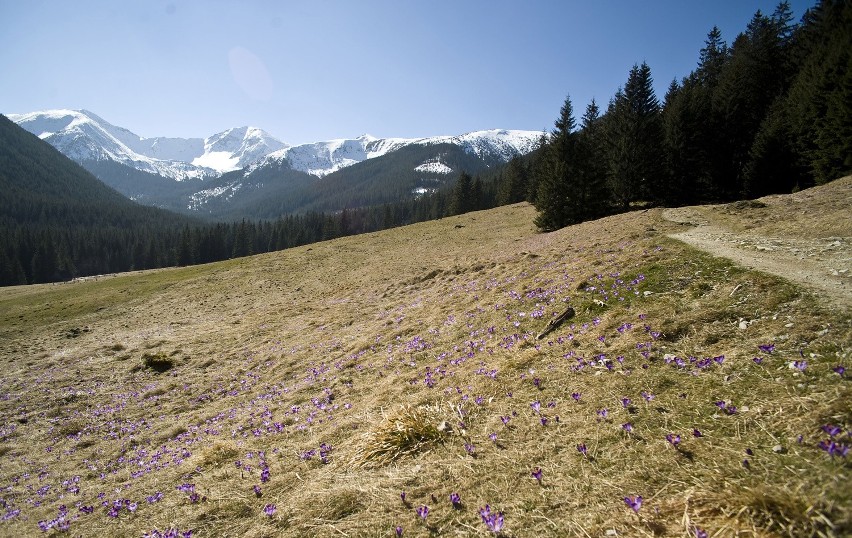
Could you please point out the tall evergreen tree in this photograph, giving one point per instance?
(634, 139)
(753, 78)
(462, 200)
(688, 142)
(513, 183)
(712, 58)
(819, 102)
(556, 197)
(590, 166)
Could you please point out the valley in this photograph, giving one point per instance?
(354, 386)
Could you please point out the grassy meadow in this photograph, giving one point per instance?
(392, 383)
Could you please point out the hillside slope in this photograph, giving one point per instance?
(58, 221)
(301, 393)
(812, 251)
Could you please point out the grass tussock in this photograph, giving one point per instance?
(404, 431)
(765, 510)
(159, 362)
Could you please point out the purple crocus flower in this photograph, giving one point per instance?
(536, 406)
(697, 433)
(423, 511)
(673, 439)
(402, 496)
(269, 510)
(767, 348)
(469, 448)
(493, 436)
(628, 427)
(834, 448)
(537, 474)
(398, 531)
(831, 429)
(700, 533)
(576, 396)
(455, 499)
(493, 520)
(257, 491)
(800, 365)
(625, 402)
(758, 360)
(634, 502)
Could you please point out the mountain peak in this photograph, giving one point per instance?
(84, 136)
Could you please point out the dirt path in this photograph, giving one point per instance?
(820, 262)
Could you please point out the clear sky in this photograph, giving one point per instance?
(321, 69)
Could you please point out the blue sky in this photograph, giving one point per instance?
(315, 70)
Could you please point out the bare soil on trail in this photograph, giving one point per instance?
(804, 237)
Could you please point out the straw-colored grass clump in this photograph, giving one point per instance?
(404, 431)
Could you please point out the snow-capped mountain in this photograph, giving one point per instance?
(84, 136)
(323, 158)
(245, 172)
(237, 148)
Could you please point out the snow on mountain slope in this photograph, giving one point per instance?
(433, 166)
(82, 135)
(323, 158)
(237, 148)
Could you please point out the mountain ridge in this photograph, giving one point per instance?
(246, 168)
(83, 135)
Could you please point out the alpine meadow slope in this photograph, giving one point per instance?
(394, 380)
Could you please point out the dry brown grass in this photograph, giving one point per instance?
(330, 345)
(404, 431)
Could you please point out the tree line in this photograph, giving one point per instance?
(768, 114)
(52, 243)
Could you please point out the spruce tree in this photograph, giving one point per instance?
(591, 167)
(634, 139)
(819, 103)
(513, 183)
(752, 80)
(556, 199)
(711, 58)
(462, 200)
